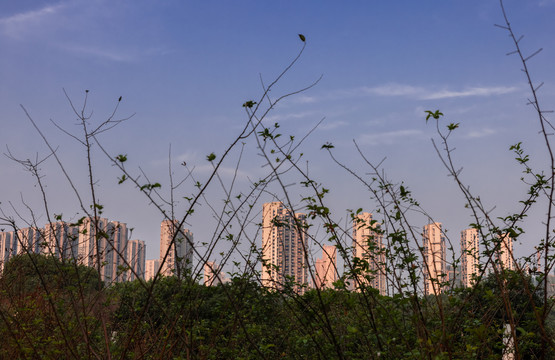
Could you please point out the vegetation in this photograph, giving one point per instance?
(241, 320)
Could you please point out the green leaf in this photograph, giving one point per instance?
(249, 104)
(121, 158)
(211, 157)
(327, 146)
(452, 126)
(435, 114)
(150, 186)
(302, 37)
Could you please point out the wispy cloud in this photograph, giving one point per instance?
(106, 54)
(475, 91)
(393, 90)
(408, 91)
(16, 25)
(292, 116)
(481, 133)
(422, 93)
(332, 125)
(305, 99)
(389, 138)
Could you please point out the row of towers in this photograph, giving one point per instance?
(284, 252)
(285, 259)
(437, 274)
(102, 244)
(93, 242)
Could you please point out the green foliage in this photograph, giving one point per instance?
(211, 157)
(249, 104)
(150, 187)
(45, 305)
(434, 114)
(121, 158)
(29, 273)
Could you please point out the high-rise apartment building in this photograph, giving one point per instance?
(135, 257)
(102, 245)
(152, 267)
(368, 250)
(28, 240)
(283, 246)
(434, 266)
(8, 247)
(61, 241)
(470, 257)
(176, 246)
(213, 274)
(504, 253)
(326, 268)
(454, 276)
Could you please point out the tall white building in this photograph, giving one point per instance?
(102, 245)
(504, 253)
(368, 248)
(326, 268)
(152, 267)
(8, 247)
(176, 247)
(434, 266)
(283, 246)
(136, 259)
(213, 274)
(61, 240)
(470, 257)
(28, 240)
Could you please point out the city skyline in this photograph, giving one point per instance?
(282, 249)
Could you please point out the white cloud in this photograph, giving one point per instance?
(389, 138)
(16, 25)
(393, 90)
(332, 125)
(291, 116)
(428, 94)
(474, 91)
(480, 133)
(305, 99)
(117, 56)
(410, 91)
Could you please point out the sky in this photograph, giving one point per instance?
(184, 68)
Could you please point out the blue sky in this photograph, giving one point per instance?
(184, 68)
